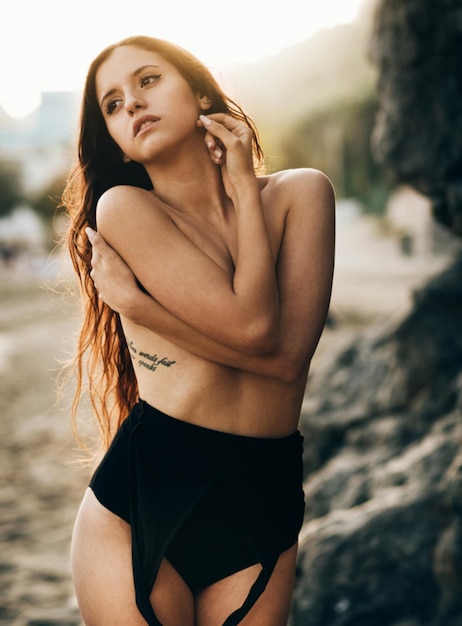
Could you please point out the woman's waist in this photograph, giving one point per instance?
(169, 430)
(233, 404)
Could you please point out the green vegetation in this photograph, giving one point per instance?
(47, 202)
(10, 186)
(315, 105)
(337, 140)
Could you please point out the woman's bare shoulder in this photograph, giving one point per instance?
(303, 188)
(122, 203)
(306, 177)
(120, 195)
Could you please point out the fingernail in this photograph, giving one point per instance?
(90, 233)
(205, 120)
(218, 153)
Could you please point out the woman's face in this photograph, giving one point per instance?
(147, 105)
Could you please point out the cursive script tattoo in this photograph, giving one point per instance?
(148, 361)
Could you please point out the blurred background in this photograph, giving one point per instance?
(367, 91)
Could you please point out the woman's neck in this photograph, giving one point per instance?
(189, 183)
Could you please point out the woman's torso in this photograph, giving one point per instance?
(216, 396)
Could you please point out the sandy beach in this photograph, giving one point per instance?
(40, 485)
(41, 481)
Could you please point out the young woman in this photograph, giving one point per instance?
(206, 288)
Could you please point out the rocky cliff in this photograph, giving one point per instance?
(382, 542)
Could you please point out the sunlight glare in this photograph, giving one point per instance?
(18, 102)
(43, 54)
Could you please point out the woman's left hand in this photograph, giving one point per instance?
(114, 281)
(230, 145)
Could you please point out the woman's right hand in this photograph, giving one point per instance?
(114, 281)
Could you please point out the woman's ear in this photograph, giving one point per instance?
(205, 103)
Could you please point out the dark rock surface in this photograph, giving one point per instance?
(382, 541)
(417, 51)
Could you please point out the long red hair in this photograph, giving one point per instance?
(102, 356)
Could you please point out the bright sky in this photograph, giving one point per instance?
(47, 45)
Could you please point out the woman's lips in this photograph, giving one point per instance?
(143, 122)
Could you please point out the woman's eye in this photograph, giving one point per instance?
(149, 79)
(112, 105)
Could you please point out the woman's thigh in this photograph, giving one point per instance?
(217, 602)
(103, 579)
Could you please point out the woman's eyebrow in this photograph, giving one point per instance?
(134, 74)
(144, 67)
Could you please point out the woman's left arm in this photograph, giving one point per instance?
(304, 274)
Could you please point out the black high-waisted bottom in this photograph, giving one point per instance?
(210, 502)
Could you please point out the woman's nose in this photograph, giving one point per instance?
(134, 103)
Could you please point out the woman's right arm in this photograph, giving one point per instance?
(118, 287)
